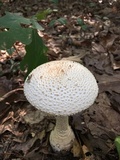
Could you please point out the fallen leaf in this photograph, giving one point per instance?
(108, 41)
(24, 147)
(34, 154)
(34, 117)
(76, 149)
(41, 134)
(108, 82)
(98, 48)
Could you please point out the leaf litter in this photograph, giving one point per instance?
(24, 131)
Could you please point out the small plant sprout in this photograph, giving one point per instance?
(117, 144)
(61, 88)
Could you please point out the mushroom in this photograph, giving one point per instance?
(61, 88)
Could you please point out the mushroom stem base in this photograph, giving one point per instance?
(62, 139)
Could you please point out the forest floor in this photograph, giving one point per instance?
(24, 131)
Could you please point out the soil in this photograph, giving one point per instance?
(24, 131)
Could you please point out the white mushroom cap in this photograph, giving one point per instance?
(61, 87)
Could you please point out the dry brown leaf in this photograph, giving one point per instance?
(115, 64)
(34, 117)
(34, 155)
(41, 134)
(5, 85)
(115, 101)
(108, 82)
(76, 149)
(98, 48)
(106, 10)
(50, 127)
(86, 151)
(101, 122)
(76, 58)
(110, 40)
(24, 147)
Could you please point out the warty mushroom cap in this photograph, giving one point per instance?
(61, 87)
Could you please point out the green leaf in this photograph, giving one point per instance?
(43, 14)
(1, 4)
(11, 20)
(5, 41)
(15, 34)
(62, 20)
(92, 4)
(10, 51)
(35, 53)
(51, 24)
(117, 144)
(80, 21)
(55, 1)
(36, 25)
(15, 31)
(84, 27)
(23, 35)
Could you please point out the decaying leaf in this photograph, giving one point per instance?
(77, 149)
(109, 82)
(41, 134)
(34, 117)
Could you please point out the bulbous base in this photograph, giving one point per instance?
(62, 140)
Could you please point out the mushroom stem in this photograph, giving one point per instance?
(62, 137)
(62, 123)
